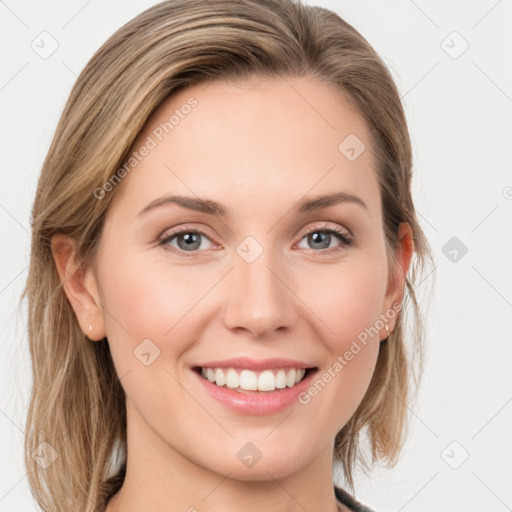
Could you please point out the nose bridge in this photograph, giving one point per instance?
(257, 298)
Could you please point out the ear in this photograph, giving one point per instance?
(80, 287)
(397, 282)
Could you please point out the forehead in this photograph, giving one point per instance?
(259, 139)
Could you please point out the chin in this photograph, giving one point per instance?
(258, 461)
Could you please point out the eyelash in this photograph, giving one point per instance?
(346, 241)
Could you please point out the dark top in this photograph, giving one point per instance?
(346, 499)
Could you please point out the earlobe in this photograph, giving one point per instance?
(79, 286)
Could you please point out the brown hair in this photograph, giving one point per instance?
(77, 403)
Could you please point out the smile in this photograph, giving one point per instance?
(248, 380)
(265, 395)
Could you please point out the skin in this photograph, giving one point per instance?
(257, 147)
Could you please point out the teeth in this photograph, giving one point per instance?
(219, 378)
(281, 379)
(232, 380)
(267, 380)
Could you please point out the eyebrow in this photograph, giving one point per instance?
(214, 208)
(191, 203)
(320, 202)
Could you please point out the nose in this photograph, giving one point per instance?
(259, 298)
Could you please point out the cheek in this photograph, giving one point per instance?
(153, 316)
(150, 297)
(347, 297)
(348, 304)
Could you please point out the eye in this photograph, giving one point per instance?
(187, 240)
(321, 238)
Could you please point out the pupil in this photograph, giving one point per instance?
(190, 239)
(318, 237)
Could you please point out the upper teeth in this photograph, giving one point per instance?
(267, 380)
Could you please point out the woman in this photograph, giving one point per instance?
(223, 239)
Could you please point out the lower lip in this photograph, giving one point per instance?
(256, 403)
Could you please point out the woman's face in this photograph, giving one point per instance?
(259, 275)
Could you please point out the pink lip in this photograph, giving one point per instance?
(256, 364)
(256, 403)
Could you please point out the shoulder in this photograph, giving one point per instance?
(350, 502)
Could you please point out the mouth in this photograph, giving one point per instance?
(248, 381)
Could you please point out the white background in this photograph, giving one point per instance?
(460, 115)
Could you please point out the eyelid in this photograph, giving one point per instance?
(329, 227)
(188, 228)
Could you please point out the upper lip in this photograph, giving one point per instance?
(256, 364)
